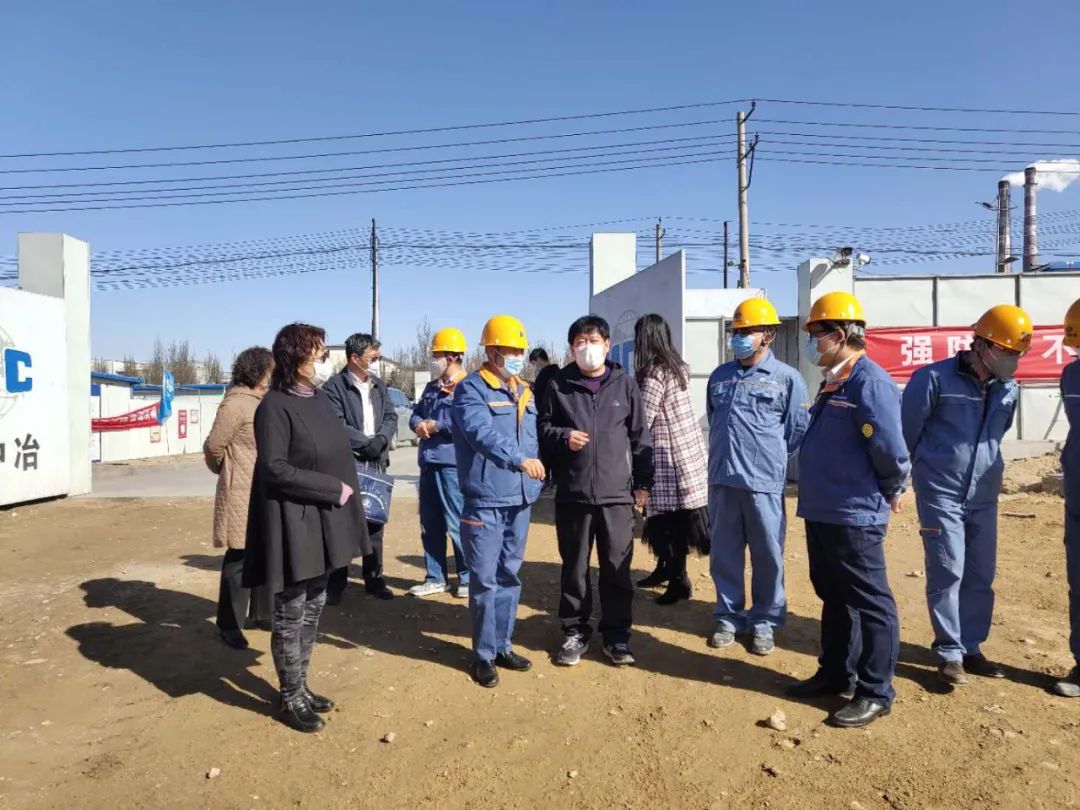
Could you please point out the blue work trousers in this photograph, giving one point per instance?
(739, 519)
(859, 623)
(493, 540)
(960, 542)
(440, 515)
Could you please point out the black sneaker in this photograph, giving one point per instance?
(676, 591)
(655, 579)
(234, 639)
(619, 654)
(511, 660)
(318, 703)
(297, 714)
(484, 673)
(574, 646)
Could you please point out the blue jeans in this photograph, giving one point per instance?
(440, 515)
(960, 543)
(739, 519)
(494, 544)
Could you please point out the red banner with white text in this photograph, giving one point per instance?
(901, 350)
(144, 417)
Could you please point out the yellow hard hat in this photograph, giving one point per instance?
(1072, 325)
(835, 306)
(1006, 325)
(506, 331)
(755, 312)
(449, 340)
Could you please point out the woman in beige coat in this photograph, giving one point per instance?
(230, 454)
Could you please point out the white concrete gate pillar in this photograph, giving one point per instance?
(58, 265)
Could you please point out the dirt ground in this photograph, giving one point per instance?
(116, 693)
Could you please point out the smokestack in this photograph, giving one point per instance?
(1004, 228)
(1031, 232)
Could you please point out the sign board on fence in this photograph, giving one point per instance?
(194, 416)
(901, 350)
(155, 434)
(34, 455)
(181, 424)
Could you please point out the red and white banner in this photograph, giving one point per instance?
(144, 417)
(900, 350)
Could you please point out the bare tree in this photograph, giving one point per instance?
(131, 368)
(180, 362)
(99, 366)
(155, 369)
(214, 372)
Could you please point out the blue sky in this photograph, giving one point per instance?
(132, 74)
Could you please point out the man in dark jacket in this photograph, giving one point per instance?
(592, 428)
(362, 402)
(545, 372)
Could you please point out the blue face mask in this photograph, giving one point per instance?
(514, 365)
(812, 351)
(742, 346)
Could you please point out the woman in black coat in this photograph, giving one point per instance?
(305, 518)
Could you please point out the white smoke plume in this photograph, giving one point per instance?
(1052, 175)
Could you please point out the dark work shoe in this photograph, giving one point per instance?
(484, 673)
(297, 714)
(858, 713)
(318, 703)
(817, 685)
(333, 599)
(979, 664)
(952, 673)
(655, 579)
(721, 637)
(677, 590)
(573, 647)
(619, 654)
(511, 660)
(379, 590)
(235, 639)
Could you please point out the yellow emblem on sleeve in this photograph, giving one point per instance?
(867, 430)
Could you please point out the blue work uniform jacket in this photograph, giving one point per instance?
(1070, 455)
(757, 418)
(853, 460)
(953, 428)
(494, 431)
(434, 404)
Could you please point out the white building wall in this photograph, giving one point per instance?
(162, 440)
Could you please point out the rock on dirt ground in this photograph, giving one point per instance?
(141, 697)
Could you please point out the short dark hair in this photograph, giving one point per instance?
(854, 332)
(251, 365)
(538, 354)
(586, 325)
(292, 348)
(359, 343)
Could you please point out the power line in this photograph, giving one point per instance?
(913, 108)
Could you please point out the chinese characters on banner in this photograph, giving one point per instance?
(901, 350)
(144, 417)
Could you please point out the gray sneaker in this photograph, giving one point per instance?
(762, 645)
(461, 591)
(428, 588)
(1069, 686)
(721, 637)
(619, 654)
(571, 651)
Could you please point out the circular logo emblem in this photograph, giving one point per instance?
(7, 399)
(867, 430)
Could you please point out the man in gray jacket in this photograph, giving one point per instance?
(362, 402)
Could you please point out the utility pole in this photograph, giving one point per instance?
(660, 230)
(374, 282)
(744, 215)
(725, 253)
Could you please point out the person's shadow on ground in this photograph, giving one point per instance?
(173, 646)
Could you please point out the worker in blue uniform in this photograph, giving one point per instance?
(1070, 466)
(853, 467)
(495, 443)
(757, 413)
(955, 413)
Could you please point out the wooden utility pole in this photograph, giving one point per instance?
(374, 282)
(744, 216)
(725, 253)
(659, 239)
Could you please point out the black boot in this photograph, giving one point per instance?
(677, 589)
(318, 703)
(656, 578)
(234, 638)
(297, 714)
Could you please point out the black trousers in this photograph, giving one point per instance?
(370, 567)
(235, 602)
(860, 629)
(611, 528)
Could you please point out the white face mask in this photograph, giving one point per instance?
(322, 371)
(437, 367)
(589, 356)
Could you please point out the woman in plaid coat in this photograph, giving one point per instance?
(677, 518)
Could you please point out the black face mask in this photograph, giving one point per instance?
(1003, 366)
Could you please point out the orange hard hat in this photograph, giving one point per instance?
(1005, 325)
(755, 312)
(835, 306)
(505, 331)
(1072, 325)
